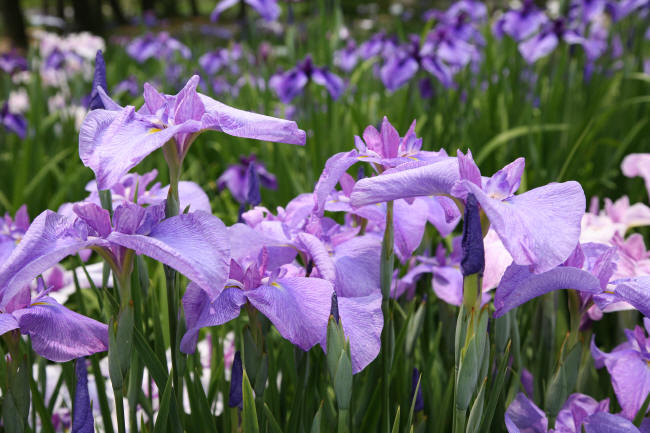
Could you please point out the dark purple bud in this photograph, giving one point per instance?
(98, 80)
(236, 376)
(419, 401)
(253, 196)
(473, 260)
(334, 309)
(361, 173)
(82, 419)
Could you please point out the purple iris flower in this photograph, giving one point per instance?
(159, 46)
(13, 122)
(375, 46)
(539, 228)
(521, 23)
(628, 367)
(385, 150)
(116, 139)
(194, 244)
(12, 62)
(588, 270)
(347, 58)
(237, 179)
(213, 61)
(139, 189)
(297, 306)
(268, 9)
(129, 85)
(289, 84)
(580, 411)
(12, 231)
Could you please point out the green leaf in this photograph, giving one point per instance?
(315, 424)
(161, 421)
(563, 381)
(414, 328)
(513, 133)
(395, 428)
(249, 414)
(343, 381)
(39, 404)
(496, 388)
(415, 396)
(475, 415)
(275, 427)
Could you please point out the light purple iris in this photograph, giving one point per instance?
(129, 86)
(238, 182)
(521, 23)
(194, 244)
(628, 367)
(588, 270)
(268, 9)
(116, 139)
(56, 332)
(12, 62)
(13, 122)
(539, 228)
(213, 61)
(638, 164)
(580, 411)
(347, 58)
(12, 231)
(289, 84)
(159, 46)
(297, 306)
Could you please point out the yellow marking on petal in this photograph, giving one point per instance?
(274, 284)
(39, 303)
(413, 158)
(154, 130)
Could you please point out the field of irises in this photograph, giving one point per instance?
(328, 217)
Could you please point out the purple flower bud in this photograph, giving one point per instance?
(419, 401)
(236, 398)
(473, 260)
(99, 80)
(82, 420)
(253, 196)
(334, 309)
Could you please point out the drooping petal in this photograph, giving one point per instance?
(636, 292)
(59, 334)
(7, 323)
(298, 307)
(50, 238)
(194, 244)
(520, 285)
(319, 255)
(363, 321)
(240, 123)
(576, 410)
(409, 223)
(524, 416)
(268, 9)
(220, 7)
(603, 422)
(430, 179)
(201, 313)
(447, 284)
(356, 264)
(540, 227)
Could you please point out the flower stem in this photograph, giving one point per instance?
(387, 266)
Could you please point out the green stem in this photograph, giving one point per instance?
(344, 421)
(119, 409)
(387, 266)
(459, 420)
(170, 151)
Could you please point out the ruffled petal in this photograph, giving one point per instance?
(362, 321)
(194, 244)
(335, 167)
(540, 227)
(201, 313)
(298, 307)
(59, 334)
(519, 285)
(240, 123)
(423, 180)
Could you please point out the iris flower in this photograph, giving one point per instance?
(289, 84)
(539, 228)
(115, 139)
(268, 9)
